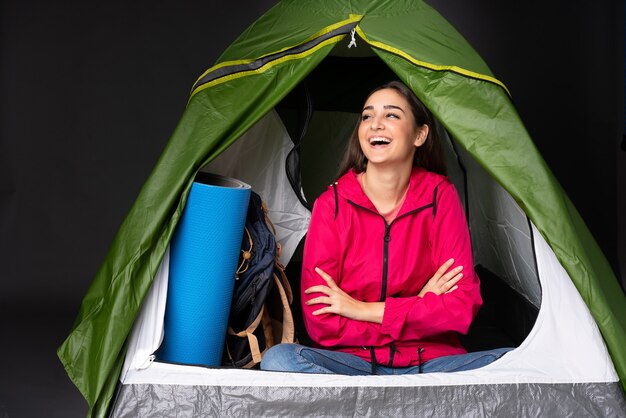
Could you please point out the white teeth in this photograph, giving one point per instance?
(378, 140)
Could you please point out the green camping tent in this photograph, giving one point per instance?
(253, 76)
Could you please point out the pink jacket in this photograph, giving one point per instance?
(373, 261)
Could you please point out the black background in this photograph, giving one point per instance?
(91, 92)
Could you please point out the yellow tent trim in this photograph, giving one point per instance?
(267, 66)
(324, 31)
(435, 67)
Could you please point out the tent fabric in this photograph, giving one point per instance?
(257, 158)
(506, 400)
(560, 357)
(268, 141)
(93, 352)
(555, 351)
(494, 216)
(454, 83)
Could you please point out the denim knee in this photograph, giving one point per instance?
(279, 357)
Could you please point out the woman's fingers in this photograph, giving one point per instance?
(327, 309)
(319, 288)
(327, 278)
(452, 274)
(319, 299)
(452, 289)
(330, 284)
(452, 282)
(444, 267)
(444, 280)
(333, 304)
(322, 273)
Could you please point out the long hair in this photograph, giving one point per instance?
(429, 155)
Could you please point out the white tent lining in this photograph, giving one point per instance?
(564, 346)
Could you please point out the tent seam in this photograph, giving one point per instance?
(435, 67)
(266, 66)
(328, 29)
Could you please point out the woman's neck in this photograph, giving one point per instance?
(385, 188)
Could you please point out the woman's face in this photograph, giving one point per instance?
(387, 132)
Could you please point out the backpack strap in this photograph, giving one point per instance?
(267, 330)
(270, 224)
(252, 339)
(286, 297)
(268, 221)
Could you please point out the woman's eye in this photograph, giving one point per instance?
(393, 116)
(365, 117)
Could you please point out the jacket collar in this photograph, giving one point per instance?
(421, 187)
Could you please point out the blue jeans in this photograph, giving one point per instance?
(298, 358)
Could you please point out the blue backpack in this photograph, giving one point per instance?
(260, 314)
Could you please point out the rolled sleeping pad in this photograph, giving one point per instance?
(203, 259)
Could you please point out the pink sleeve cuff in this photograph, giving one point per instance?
(394, 317)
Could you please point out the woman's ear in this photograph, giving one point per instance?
(422, 134)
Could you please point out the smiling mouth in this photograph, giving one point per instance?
(375, 141)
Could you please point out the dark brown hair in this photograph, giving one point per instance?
(429, 155)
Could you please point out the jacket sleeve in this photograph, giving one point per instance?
(323, 249)
(418, 317)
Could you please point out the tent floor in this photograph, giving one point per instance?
(32, 371)
(501, 400)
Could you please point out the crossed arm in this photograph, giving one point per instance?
(448, 301)
(334, 300)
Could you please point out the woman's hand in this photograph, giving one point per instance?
(443, 281)
(339, 302)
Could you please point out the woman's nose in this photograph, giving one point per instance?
(376, 124)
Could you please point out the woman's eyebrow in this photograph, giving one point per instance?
(393, 107)
(384, 107)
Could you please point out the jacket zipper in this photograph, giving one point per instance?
(383, 291)
(386, 239)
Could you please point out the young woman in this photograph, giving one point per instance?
(388, 279)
